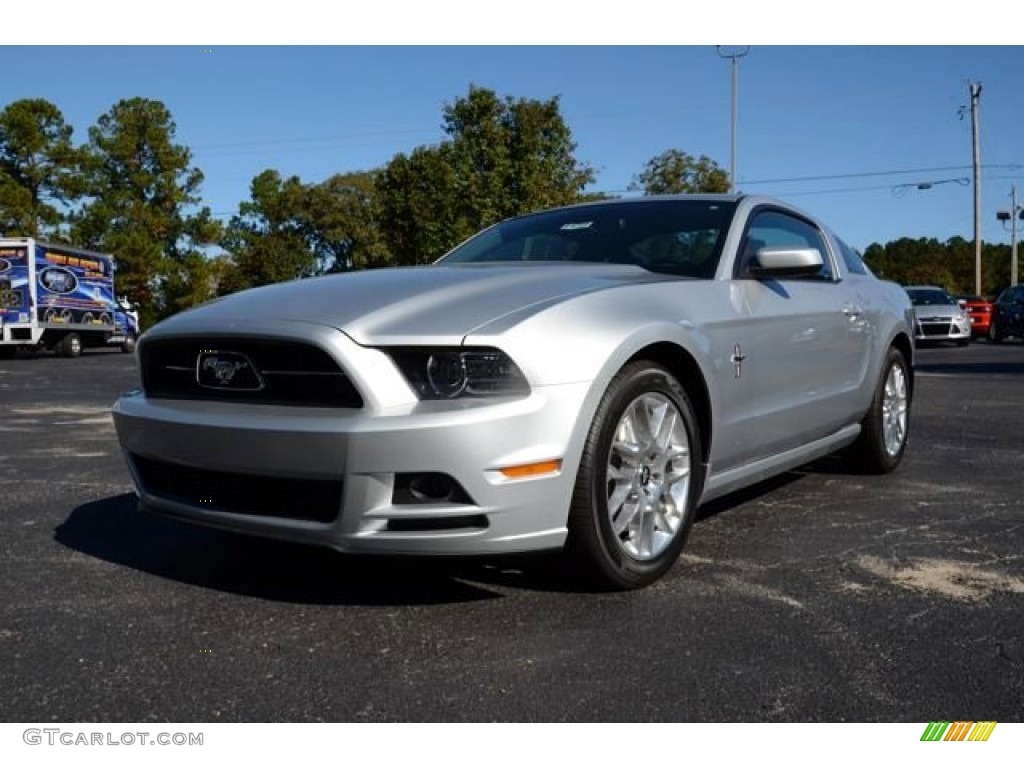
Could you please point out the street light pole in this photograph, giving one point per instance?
(1013, 235)
(735, 56)
(1012, 214)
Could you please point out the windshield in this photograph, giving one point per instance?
(929, 297)
(680, 237)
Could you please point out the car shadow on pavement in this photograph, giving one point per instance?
(751, 493)
(112, 529)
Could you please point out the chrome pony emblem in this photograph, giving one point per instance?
(226, 370)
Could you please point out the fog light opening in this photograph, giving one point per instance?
(431, 487)
(428, 488)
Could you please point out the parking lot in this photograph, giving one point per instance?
(821, 595)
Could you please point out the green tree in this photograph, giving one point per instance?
(908, 261)
(38, 169)
(677, 172)
(949, 265)
(995, 269)
(419, 205)
(289, 230)
(342, 223)
(502, 157)
(267, 238)
(142, 186)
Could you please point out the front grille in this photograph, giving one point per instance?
(292, 498)
(936, 329)
(290, 372)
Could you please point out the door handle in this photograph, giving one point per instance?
(852, 311)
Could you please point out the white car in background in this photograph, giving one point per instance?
(938, 316)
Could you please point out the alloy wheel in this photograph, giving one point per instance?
(648, 476)
(894, 410)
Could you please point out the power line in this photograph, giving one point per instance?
(866, 174)
(307, 139)
(292, 150)
(215, 149)
(833, 191)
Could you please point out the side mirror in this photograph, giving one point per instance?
(773, 261)
(962, 303)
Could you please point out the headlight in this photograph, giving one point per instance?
(444, 373)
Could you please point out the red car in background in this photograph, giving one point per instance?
(980, 310)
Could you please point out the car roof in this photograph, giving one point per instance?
(747, 201)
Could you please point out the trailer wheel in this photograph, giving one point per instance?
(70, 346)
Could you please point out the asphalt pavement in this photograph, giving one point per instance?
(818, 596)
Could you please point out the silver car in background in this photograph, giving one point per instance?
(580, 378)
(938, 316)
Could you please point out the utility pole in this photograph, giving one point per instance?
(735, 55)
(975, 98)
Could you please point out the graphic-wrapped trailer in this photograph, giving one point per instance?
(54, 296)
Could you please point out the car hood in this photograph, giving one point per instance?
(437, 304)
(937, 310)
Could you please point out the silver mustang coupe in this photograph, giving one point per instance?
(580, 378)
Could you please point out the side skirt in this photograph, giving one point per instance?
(756, 471)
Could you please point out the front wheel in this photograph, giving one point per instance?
(639, 480)
(884, 429)
(994, 334)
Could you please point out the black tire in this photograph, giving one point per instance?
(963, 342)
(8, 352)
(994, 334)
(878, 450)
(70, 346)
(128, 346)
(603, 557)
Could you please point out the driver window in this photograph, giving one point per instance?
(774, 228)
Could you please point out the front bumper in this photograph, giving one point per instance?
(942, 329)
(980, 324)
(361, 452)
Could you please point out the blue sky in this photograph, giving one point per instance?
(804, 112)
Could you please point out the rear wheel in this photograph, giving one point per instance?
(639, 480)
(70, 346)
(884, 430)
